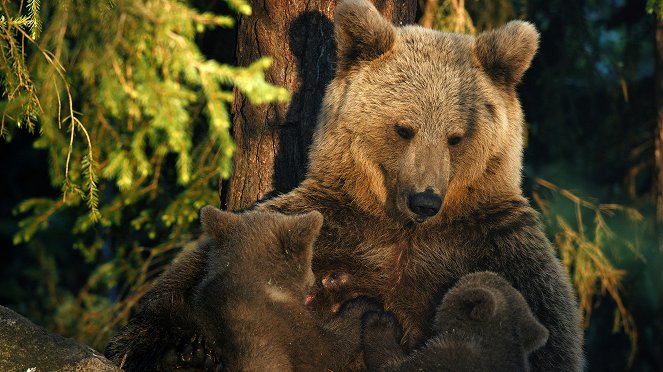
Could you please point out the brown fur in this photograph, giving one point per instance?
(482, 324)
(361, 172)
(163, 335)
(252, 300)
(237, 301)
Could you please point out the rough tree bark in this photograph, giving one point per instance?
(272, 140)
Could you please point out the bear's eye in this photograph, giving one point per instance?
(454, 140)
(404, 132)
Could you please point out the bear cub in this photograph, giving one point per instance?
(482, 324)
(237, 301)
(252, 301)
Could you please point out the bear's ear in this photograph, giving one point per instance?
(478, 303)
(217, 223)
(533, 335)
(299, 232)
(506, 53)
(362, 33)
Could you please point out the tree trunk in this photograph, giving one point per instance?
(272, 140)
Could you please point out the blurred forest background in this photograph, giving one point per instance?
(116, 129)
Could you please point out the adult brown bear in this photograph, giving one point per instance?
(416, 168)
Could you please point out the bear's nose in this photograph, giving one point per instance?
(424, 204)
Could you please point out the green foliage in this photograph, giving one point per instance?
(15, 78)
(134, 121)
(472, 16)
(655, 7)
(452, 16)
(582, 247)
(488, 15)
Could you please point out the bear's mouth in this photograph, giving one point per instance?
(418, 219)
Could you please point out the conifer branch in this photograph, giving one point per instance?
(143, 88)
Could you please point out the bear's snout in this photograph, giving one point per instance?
(424, 204)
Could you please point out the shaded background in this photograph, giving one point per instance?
(589, 101)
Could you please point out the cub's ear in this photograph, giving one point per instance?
(362, 33)
(533, 335)
(477, 303)
(217, 223)
(299, 232)
(506, 53)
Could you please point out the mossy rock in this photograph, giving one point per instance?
(25, 346)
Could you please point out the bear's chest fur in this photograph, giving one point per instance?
(410, 268)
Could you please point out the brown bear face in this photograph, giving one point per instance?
(264, 250)
(415, 117)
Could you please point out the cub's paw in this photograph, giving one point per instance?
(187, 353)
(359, 306)
(381, 325)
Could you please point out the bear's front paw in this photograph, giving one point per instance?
(380, 325)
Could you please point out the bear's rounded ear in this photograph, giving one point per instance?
(478, 303)
(299, 232)
(533, 335)
(506, 53)
(362, 33)
(217, 223)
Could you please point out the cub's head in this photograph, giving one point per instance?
(416, 121)
(484, 305)
(263, 250)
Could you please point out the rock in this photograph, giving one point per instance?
(25, 346)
